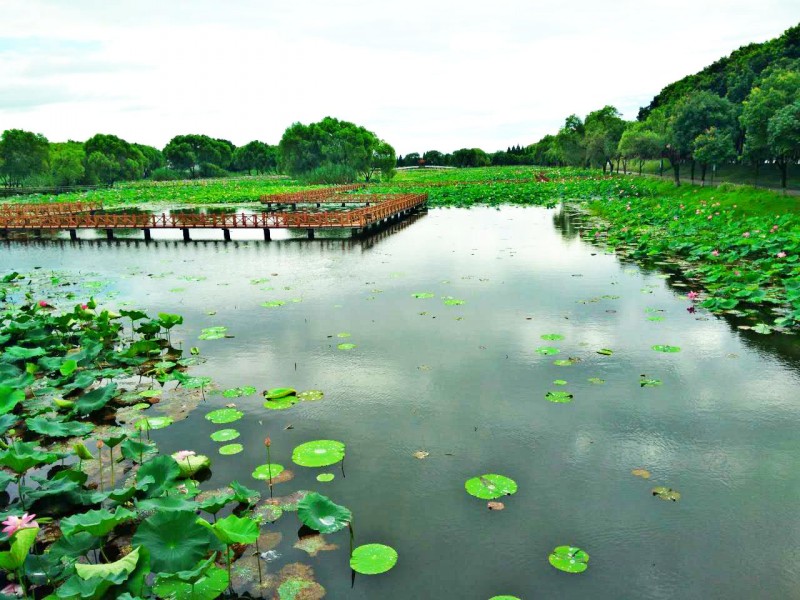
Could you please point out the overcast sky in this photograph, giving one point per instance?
(421, 75)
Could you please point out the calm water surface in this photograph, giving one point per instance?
(466, 384)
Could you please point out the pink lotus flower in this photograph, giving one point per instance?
(781, 255)
(746, 234)
(12, 589)
(737, 273)
(183, 454)
(715, 253)
(84, 306)
(14, 523)
(43, 304)
(692, 295)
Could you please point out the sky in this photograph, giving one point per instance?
(421, 75)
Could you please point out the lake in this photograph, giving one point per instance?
(464, 382)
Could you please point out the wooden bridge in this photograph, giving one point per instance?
(391, 208)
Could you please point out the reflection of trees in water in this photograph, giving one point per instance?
(567, 223)
(785, 347)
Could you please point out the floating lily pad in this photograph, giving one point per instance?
(655, 318)
(318, 453)
(224, 415)
(213, 333)
(643, 473)
(569, 559)
(373, 559)
(321, 514)
(547, 350)
(605, 352)
(265, 472)
(192, 464)
(563, 362)
(325, 477)
(153, 423)
(314, 544)
(310, 395)
(504, 598)
(559, 382)
(149, 393)
(559, 397)
(596, 380)
(343, 335)
(490, 486)
(280, 392)
(423, 295)
(281, 403)
(449, 301)
(231, 449)
(225, 435)
(421, 454)
(664, 348)
(273, 303)
(552, 337)
(644, 382)
(238, 392)
(666, 493)
(346, 346)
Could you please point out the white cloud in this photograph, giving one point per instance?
(421, 75)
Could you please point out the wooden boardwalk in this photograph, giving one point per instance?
(358, 220)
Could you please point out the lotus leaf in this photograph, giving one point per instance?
(94, 400)
(423, 295)
(280, 392)
(224, 435)
(211, 585)
(559, 397)
(265, 472)
(21, 456)
(569, 559)
(559, 382)
(213, 333)
(230, 449)
(552, 337)
(318, 453)
(490, 486)
(596, 380)
(563, 362)
(373, 559)
(504, 598)
(644, 382)
(321, 514)
(663, 348)
(175, 539)
(126, 565)
(666, 493)
(605, 352)
(325, 477)
(450, 301)
(238, 392)
(547, 350)
(273, 303)
(224, 415)
(346, 346)
(97, 522)
(281, 403)
(21, 543)
(192, 464)
(153, 423)
(310, 395)
(55, 428)
(234, 530)
(157, 476)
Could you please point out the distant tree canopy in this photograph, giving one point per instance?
(198, 154)
(743, 107)
(22, 155)
(256, 156)
(110, 159)
(334, 151)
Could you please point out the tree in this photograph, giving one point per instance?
(198, 154)
(435, 158)
(110, 158)
(153, 158)
(255, 155)
(471, 157)
(713, 147)
(784, 137)
(638, 142)
(67, 163)
(22, 155)
(569, 142)
(603, 130)
(334, 150)
(779, 89)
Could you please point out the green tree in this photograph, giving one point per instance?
(784, 137)
(110, 158)
(569, 142)
(603, 130)
(153, 158)
(256, 156)
(67, 163)
(22, 155)
(713, 147)
(198, 154)
(471, 157)
(638, 142)
(435, 158)
(336, 150)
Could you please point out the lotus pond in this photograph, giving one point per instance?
(479, 405)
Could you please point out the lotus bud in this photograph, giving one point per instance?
(100, 444)
(268, 442)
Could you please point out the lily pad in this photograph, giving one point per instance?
(213, 333)
(666, 493)
(644, 382)
(273, 303)
(192, 464)
(264, 472)
(310, 395)
(314, 544)
(643, 473)
(423, 295)
(563, 362)
(569, 559)
(318, 453)
(325, 477)
(346, 346)
(153, 423)
(321, 514)
(281, 403)
(238, 392)
(559, 397)
(504, 598)
(224, 415)
(229, 449)
(343, 335)
(559, 382)
(281, 392)
(664, 348)
(373, 559)
(605, 351)
(448, 301)
(547, 350)
(490, 486)
(552, 337)
(596, 380)
(225, 435)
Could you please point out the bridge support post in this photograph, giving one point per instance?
(4, 233)
(37, 232)
(355, 231)
(147, 236)
(186, 237)
(267, 236)
(310, 234)
(109, 234)
(73, 234)
(318, 205)
(226, 234)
